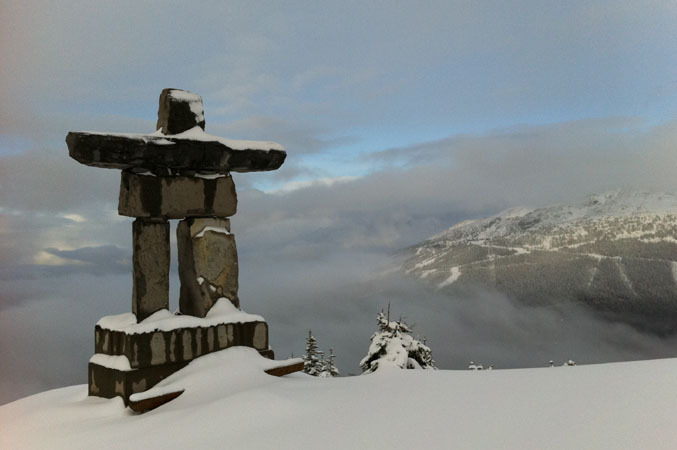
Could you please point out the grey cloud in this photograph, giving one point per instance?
(102, 260)
(45, 132)
(47, 335)
(93, 255)
(46, 272)
(49, 180)
(443, 63)
(445, 181)
(298, 138)
(540, 164)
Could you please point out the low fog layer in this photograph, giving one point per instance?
(337, 295)
(341, 296)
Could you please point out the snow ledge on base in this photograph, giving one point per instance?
(223, 311)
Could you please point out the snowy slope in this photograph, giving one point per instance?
(230, 403)
(615, 252)
(620, 214)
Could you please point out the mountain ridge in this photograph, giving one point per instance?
(615, 253)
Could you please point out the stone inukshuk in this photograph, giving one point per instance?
(178, 172)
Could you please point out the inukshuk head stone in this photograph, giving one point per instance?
(178, 172)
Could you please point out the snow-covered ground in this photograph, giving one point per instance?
(230, 403)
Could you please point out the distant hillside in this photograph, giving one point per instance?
(615, 252)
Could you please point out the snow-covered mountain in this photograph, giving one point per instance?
(615, 252)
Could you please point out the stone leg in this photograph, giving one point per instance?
(151, 267)
(208, 267)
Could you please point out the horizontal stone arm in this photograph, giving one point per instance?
(155, 151)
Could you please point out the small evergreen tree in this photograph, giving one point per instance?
(474, 366)
(311, 361)
(393, 346)
(328, 368)
(320, 363)
(331, 366)
(314, 363)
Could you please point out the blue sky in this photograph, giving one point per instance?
(422, 113)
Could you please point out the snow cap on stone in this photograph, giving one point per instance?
(179, 111)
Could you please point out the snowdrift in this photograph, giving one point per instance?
(231, 403)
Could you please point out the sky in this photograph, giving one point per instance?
(399, 119)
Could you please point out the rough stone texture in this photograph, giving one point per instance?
(108, 383)
(179, 111)
(176, 197)
(151, 267)
(158, 348)
(161, 154)
(208, 267)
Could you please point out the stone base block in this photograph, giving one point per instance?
(176, 197)
(180, 345)
(108, 383)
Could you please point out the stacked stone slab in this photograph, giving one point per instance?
(207, 264)
(178, 172)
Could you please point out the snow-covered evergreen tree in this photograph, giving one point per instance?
(393, 346)
(473, 366)
(331, 364)
(311, 360)
(320, 363)
(328, 368)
